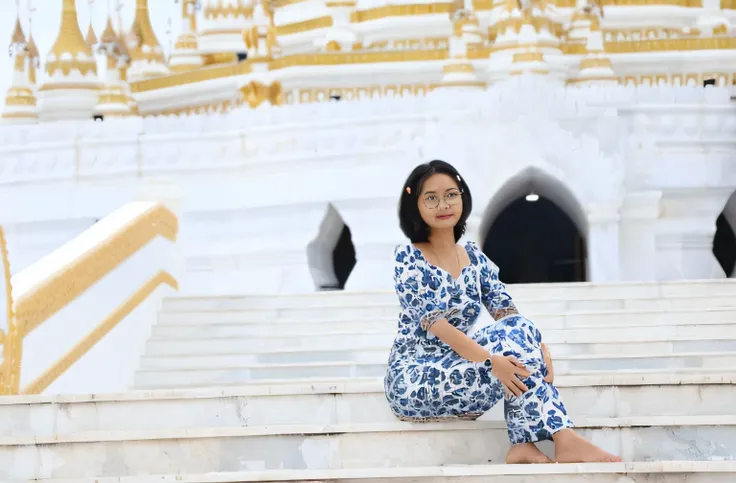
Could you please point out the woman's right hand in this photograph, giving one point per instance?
(507, 370)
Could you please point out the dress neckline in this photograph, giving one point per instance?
(466, 246)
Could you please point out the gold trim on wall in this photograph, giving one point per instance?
(304, 26)
(64, 286)
(384, 11)
(191, 77)
(108, 324)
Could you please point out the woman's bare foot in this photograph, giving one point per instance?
(570, 447)
(526, 454)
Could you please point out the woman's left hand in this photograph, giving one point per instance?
(550, 377)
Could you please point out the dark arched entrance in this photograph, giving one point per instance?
(343, 258)
(536, 242)
(331, 255)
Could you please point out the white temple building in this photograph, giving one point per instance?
(284, 129)
(256, 168)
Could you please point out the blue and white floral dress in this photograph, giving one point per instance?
(427, 381)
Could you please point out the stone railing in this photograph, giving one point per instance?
(64, 305)
(142, 146)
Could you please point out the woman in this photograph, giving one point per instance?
(439, 368)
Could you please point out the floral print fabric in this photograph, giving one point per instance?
(426, 380)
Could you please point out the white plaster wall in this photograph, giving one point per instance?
(253, 186)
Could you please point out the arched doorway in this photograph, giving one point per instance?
(724, 241)
(331, 255)
(535, 231)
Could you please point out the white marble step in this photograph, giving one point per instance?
(201, 371)
(685, 338)
(354, 317)
(203, 450)
(335, 402)
(528, 292)
(390, 310)
(639, 472)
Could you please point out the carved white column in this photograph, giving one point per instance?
(638, 253)
(603, 244)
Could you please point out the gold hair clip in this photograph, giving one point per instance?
(408, 190)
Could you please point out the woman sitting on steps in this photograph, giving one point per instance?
(439, 368)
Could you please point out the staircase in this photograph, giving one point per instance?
(288, 388)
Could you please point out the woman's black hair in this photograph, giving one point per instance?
(410, 220)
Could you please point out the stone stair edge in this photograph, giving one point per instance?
(296, 387)
(665, 336)
(166, 306)
(345, 293)
(645, 467)
(101, 436)
(386, 350)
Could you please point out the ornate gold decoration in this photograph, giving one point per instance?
(222, 107)
(241, 9)
(59, 289)
(90, 340)
(304, 96)
(284, 3)
(256, 93)
(70, 51)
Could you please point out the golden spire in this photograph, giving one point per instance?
(70, 51)
(144, 45)
(108, 35)
(18, 36)
(91, 38)
(20, 102)
(32, 48)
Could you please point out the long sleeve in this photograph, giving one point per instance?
(492, 291)
(422, 295)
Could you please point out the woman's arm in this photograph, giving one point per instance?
(466, 347)
(492, 291)
(508, 370)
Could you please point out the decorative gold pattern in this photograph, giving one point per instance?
(221, 107)
(304, 96)
(104, 328)
(59, 289)
(212, 12)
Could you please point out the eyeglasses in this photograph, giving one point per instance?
(452, 198)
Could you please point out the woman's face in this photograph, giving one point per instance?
(440, 202)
